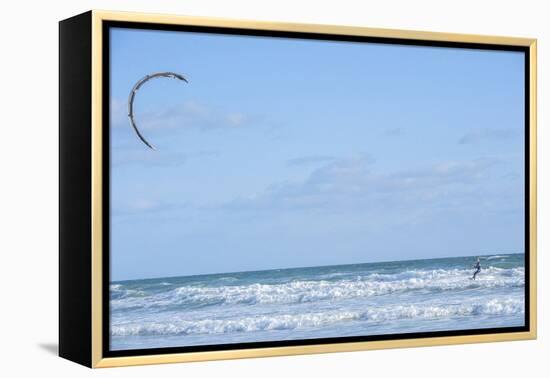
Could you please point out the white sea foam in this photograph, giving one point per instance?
(311, 291)
(119, 293)
(317, 319)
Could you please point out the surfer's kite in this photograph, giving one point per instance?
(170, 75)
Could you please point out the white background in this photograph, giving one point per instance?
(29, 189)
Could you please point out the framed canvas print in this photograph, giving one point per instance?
(235, 189)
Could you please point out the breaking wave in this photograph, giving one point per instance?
(307, 291)
(318, 319)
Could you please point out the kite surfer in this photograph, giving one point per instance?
(477, 267)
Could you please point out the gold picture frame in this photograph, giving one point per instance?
(82, 320)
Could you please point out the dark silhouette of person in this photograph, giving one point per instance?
(477, 267)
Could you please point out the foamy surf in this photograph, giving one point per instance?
(297, 321)
(357, 299)
(311, 291)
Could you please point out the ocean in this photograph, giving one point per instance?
(317, 302)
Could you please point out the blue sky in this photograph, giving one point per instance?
(287, 153)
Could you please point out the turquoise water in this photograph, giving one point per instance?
(318, 302)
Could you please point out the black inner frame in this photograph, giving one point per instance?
(106, 25)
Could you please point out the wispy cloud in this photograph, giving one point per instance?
(139, 206)
(309, 160)
(487, 134)
(352, 183)
(119, 113)
(164, 124)
(189, 114)
(140, 155)
(393, 131)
